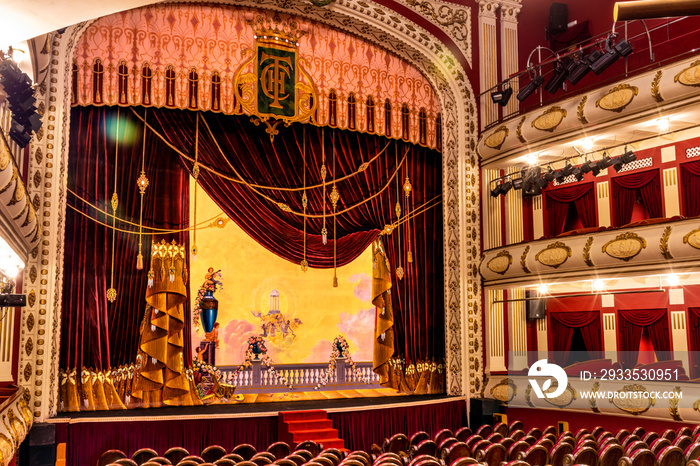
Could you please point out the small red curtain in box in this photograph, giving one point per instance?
(632, 323)
(625, 189)
(557, 203)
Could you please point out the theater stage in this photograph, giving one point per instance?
(360, 422)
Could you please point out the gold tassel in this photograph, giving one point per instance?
(195, 174)
(142, 183)
(139, 261)
(112, 292)
(407, 189)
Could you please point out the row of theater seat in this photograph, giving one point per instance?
(496, 445)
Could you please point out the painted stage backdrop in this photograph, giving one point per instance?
(298, 314)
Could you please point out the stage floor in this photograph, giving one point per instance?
(268, 405)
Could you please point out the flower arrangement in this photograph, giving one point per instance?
(259, 343)
(340, 348)
(211, 283)
(201, 366)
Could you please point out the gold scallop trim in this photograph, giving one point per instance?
(618, 98)
(504, 391)
(500, 263)
(655, 91)
(523, 260)
(692, 239)
(625, 246)
(689, 76)
(629, 402)
(579, 111)
(496, 139)
(664, 243)
(554, 255)
(550, 119)
(519, 130)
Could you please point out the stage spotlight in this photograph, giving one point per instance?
(530, 88)
(623, 48)
(505, 187)
(502, 97)
(617, 163)
(557, 80)
(591, 166)
(517, 183)
(495, 192)
(550, 174)
(628, 157)
(578, 173)
(605, 162)
(604, 62)
(578, 71)
(560, 177)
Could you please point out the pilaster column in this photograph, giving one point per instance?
(509, 50)
(488, 63)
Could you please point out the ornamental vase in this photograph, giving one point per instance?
(340, 350)
(210, 308)
(256, 350)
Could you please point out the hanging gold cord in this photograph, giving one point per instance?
(399, 268)
(304, 200)
(112, 292)
(335, 195)
(142, 184)
(195, 175)
(238, 179)
(408, 189)
(324, 232)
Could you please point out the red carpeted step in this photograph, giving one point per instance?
(334, 443)
(295, 426)
(315, 435)
(314, 415)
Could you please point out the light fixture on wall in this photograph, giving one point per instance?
(531, 87)
(664, 124)
(557, 80)
(598, 285)
(672, 279)
(503, 96)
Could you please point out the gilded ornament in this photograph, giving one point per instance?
(625, 246)
(31, 298)
(592, 400)
(504, 391)
(5, 157)
(30, 322)
(519, 130)
(29, 346)
(579, 112)
(400, 272)
(673, 404)
(554, 255)
(664, 243)
(528, 395)
(617, 98)
(496, 139)
(37, 178)
(32, 274)
(693, 239)
(485, 383)
(587, 252)
(523, 259)
(500, 263)
(142, 182)
(689, 76)
(655, 92)
(407, 187)
(363, 167)
(631, 401)
(563, 400)
(115, 202)
(304, 265)
(27, 372)
(550, 119)
(111, 295)
(335, 196)
(397, 209)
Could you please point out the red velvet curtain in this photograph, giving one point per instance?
(96, 333)
(562, 329)
(631, 324)
(418, 298)
(694, 332)
(690, 173)
(557, 203)
(624, 191)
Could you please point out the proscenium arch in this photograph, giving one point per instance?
(49, 161)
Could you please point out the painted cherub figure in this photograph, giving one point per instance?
(210, 279)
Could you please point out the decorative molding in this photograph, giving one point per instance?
(453, 19)
(692, 152)
(528, 396)
(563, 400)
(655, 92)
(631, 403)
(554, 255)
(496, 139)
(692, 239)
(504, 391)
(673, 404)
(587, 252)
(625, 246)
(501, 262)
(689, 76)
(523, 260)
(550, 119)
(519, 131)
(637, 164)
(592, 400)
(579, 112)
(664, 243)
(617, 98)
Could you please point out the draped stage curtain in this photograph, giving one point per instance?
(96, 334)
(563, 325)
(558, 200)
(694, 332)
(246, 149)
(624, 191)
(690, 173)
(631, 325)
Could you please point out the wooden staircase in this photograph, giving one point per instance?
(298, 426)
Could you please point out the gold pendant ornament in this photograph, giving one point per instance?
(111, 295)
(399, 272)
